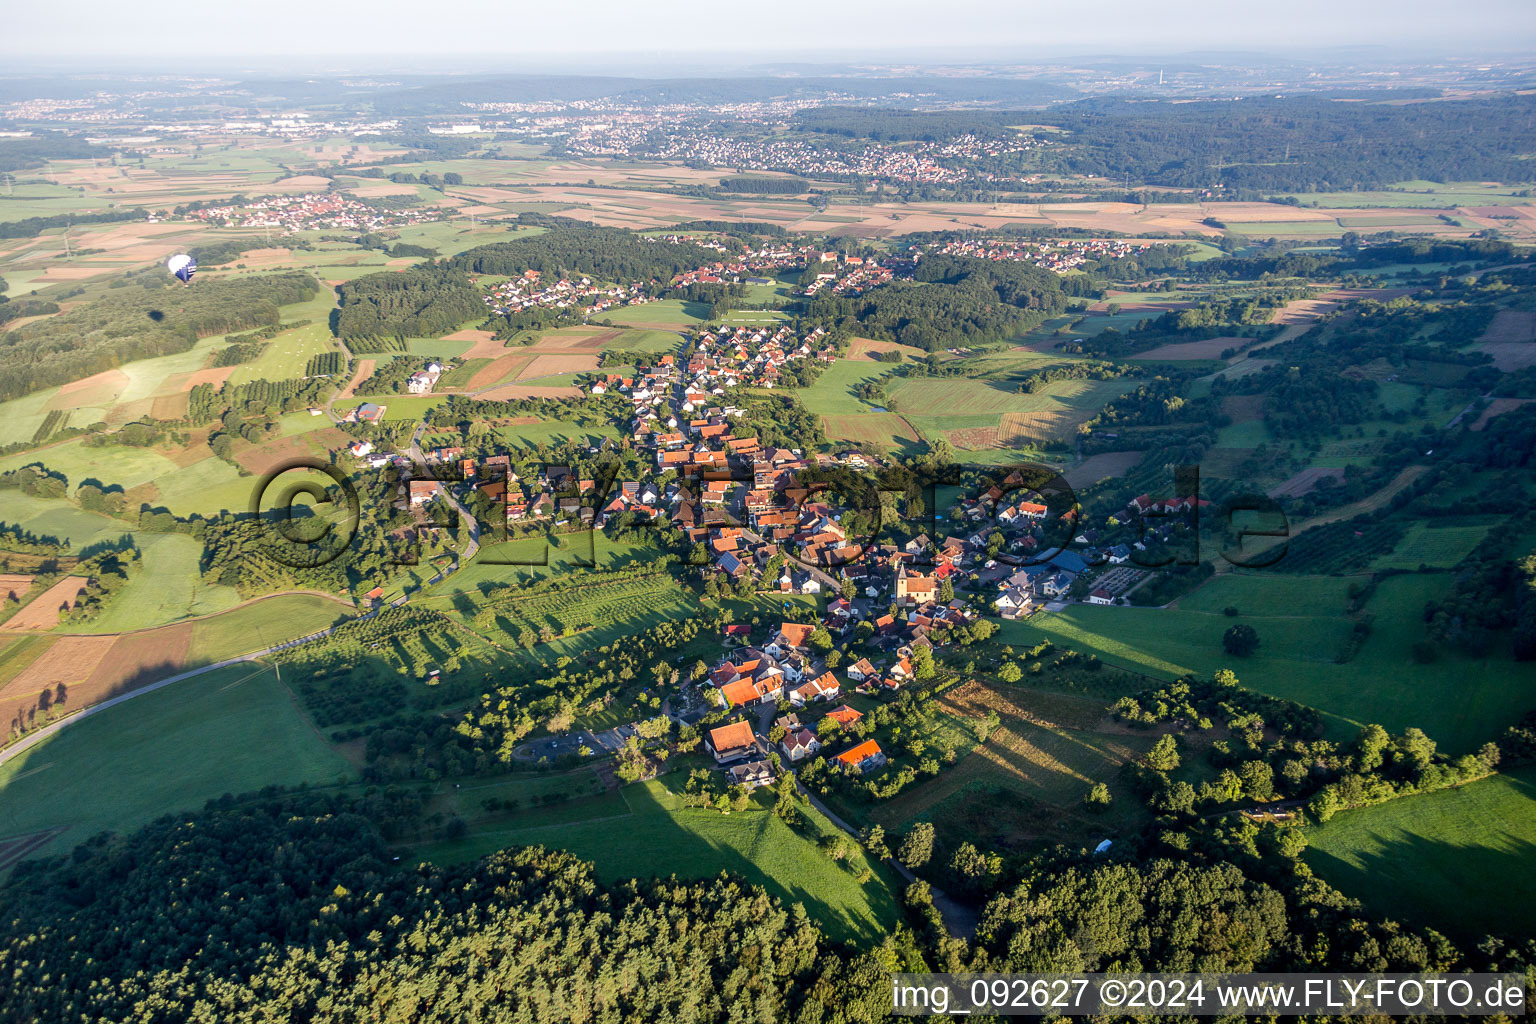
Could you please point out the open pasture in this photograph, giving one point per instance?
(1459, 700)
(661, 838)
(1210, 348)
(1457, 860)
(233, 730)
(1030, 775)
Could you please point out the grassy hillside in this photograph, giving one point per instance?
(229, 731)
(1459, 860)
(650, 833)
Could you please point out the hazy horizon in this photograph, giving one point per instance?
(690, 36)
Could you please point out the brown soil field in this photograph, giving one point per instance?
(1210, 348)
(169, 407)
(71, 661)
(215, 375)
(975, 438)
(135, 658)
(1243, 408)
(42, 612)
(365, 369)
(264, 457)
(97, 389)
(576, 339)
(1497, 407)
(860, 349)
(12, 585)
(497, 369)
(553, 363)
(1303, 482)
(1100, 467)
(508, 391)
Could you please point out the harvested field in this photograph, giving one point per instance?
(70, 661)
(365, 368)
(497, 369)
(169, 407)
(1497, 407)
(1211, 348)
(1303, 482)
(1511, 339)
(861, 348)
(1101, 467)
(42, 612)
(1018, 429)
(264, 457)
(548, 365)
(511, 391)
(1243, 408)
(97, 389)
(12, 585)
(576, 340)
(485, 345)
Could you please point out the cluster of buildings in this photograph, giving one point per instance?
(725, 357)
(1060, 255)
(951, 162)
(850, 275)
(310, 211)
(531, 291)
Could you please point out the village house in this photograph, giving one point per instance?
(864, 757)
(823, 687)
(799, 744)
(731, 742)
(751, 774)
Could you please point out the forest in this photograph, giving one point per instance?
(1296, 144)
(608, 254)
(139, 323)
(983, 302)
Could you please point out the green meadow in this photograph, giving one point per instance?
(1459, 700)
(650, 833)
(233, 730)
(1458, 860)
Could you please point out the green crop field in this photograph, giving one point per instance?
(1458, 860)
(1439, 547)
(652, 834)
(666, 311)
(233, 730)
(1459, 700)
(832, 394)
(165, 588)
(260, 624)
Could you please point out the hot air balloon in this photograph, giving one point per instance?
(182, 266)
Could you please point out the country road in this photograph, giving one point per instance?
(32, 739)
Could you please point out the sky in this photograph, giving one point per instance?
(477, 34)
